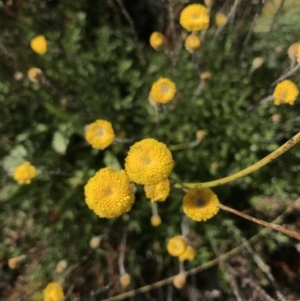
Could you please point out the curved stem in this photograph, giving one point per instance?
(279, 151)
(261, 222)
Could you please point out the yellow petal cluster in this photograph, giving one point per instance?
(53, 292)
(192, 43)
(39, 45)
(293, 51)
(163, 90)
(33, 74)
(200, 204)
(109, 193)
(189, 254)
(194, 17)
(285, 92)
(176, 246)
(157, 40)
(155, 220)
(100, 134)
(221, 19)
(148, 162)
(158, 192)
(24, 173)
(125, 280)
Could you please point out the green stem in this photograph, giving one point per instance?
(279, 151)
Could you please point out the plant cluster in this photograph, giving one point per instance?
(79, 134)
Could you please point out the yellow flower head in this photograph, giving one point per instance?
(192, 43)
(285, 92)
(39, 45)
(53, 292)
(158, 192)
(33, 74)
(176, 246)
(155, 220)
(221, 19)
(24, 173)
(189, 254)
(163, 90)
(125, 280)
(148, 162)
(200, 204)
(292, 51)
(157, 40)
(109, 193)
(194, 17)
(100, 134)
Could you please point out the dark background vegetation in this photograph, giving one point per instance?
(97, 68)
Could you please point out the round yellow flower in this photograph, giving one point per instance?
(176, 246)
(53, 292)
(192, 43)
(163, 90)
(194, 17)
(292, 51)
(189, 254)
(33, 74)
(158, 192)
(155, 220)
(109, 193)
(100, 134)
(285, 92)
(200, 204)
(39, 45)
(221, 19)
(157, 40)
(148, 162)
(24, 173)
(125, 280)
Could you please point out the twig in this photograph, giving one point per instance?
(275, 154)
(69, 292)
(254, 286)
(253, 23)
(230, 16)
(134, 33)
(276, 15)
(286, 75)
(261, 222)
(265, 268)
(225, 267)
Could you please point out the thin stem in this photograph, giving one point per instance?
(154, 208)
(181, 267)
(261, 222)
(278, 152)
(122, 252)
(185, 229)
(286, 75)
(133, 30)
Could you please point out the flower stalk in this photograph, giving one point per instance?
(275, 154)
(261, 222)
